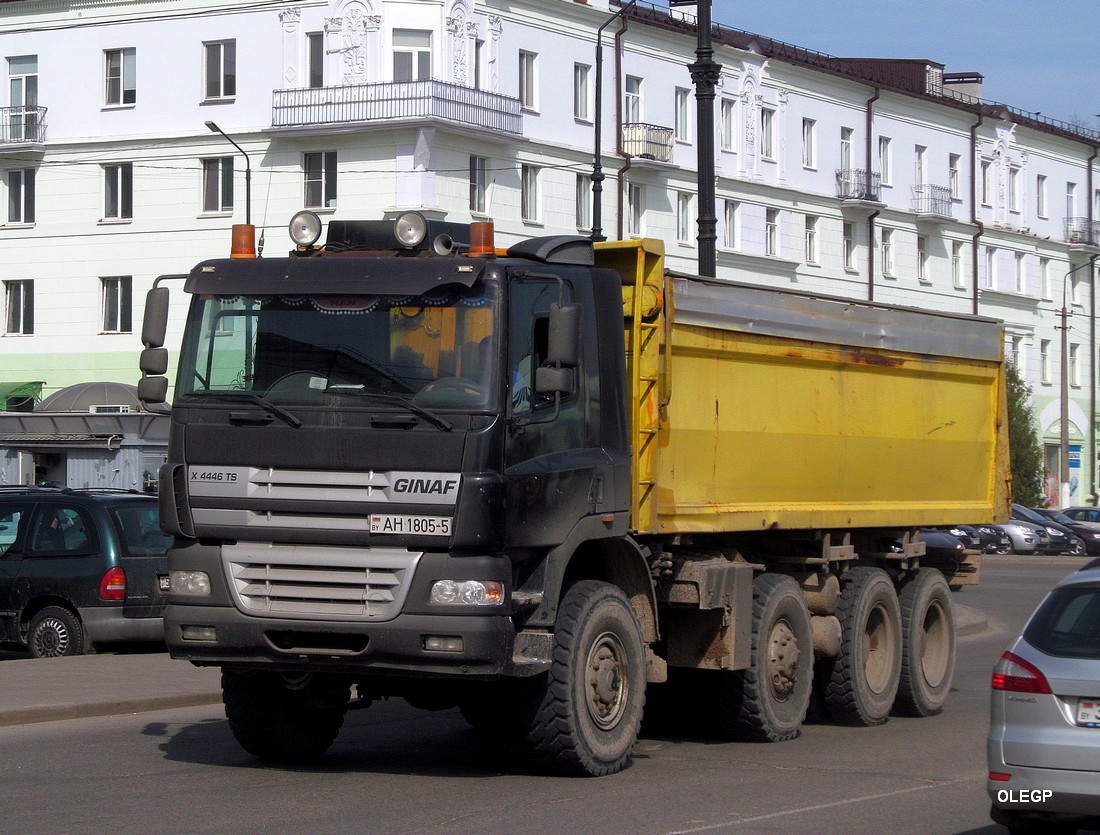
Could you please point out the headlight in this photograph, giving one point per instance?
(467, 593)
(189, 583)
(410, 228)
(305, 228)
(1054, 532)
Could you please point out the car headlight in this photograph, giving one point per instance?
(467, 593)
(1054, 532)
(189, 583)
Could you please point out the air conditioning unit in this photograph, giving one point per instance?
(109, 410)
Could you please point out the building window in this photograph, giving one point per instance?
(479, 184)
(1074, 288)
(23, 98)
(19, 296)
(1071, 199)
(581, 92)
(767, 133)
(528, 80)
(1044, 277)
(888, 252)
(217, 184)
(849, 244)
(1014, 189)
(221, 69)
(987, 182)
(922, 259)
(1021, 273)
(683, 217)
(919, 153)
(885, 163)
(1041, 195)
(529, 192)
(990, 268)
(584, 202)
(315, 48)
(632, 100)
(957, 265)
(811, 239)
(1044, 360)
(412, 55)
(809, 143)
(771, 232)
(635, 207)
(117, 305)
(118, 191)
(121, 72)
(21, 196)
(682, 129)
(953, 175)
(320, 180)
(730, 210)
(729, 124)
(479, 64)
(845, 149)
(1074, 365)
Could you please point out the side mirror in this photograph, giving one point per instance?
(155, 325)
(564, 335)
(152, 389)
(154, 361)
(553, 380)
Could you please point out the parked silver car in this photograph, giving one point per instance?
(1027, 537)
(1044, 738)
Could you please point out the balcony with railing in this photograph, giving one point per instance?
(932, 202)
(647, 141)
(858, 185)
(397, 101)
(1082, 233)
(23, 125)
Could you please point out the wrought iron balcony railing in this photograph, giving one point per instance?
(932, 200)
(857, 184)
(1080, 231)
(396, 101)
(22, 124)
(647, 141)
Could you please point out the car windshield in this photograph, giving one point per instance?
(435, 350)
(1060, 517)
(1067, 624)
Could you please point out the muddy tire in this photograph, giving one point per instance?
(56, 632)
(585, 712)
(284, 720)
(928, 644)
(864, 677)
(768, 701)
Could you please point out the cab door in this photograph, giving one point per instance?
(14, 517)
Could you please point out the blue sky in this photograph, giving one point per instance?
(1040, 55)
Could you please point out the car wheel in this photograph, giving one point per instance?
(56, 632)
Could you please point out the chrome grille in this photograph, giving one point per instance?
(311, 582)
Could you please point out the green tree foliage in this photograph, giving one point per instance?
(1025, 450)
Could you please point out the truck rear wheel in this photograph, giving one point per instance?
(928, 644)
(768, 701)
(284, 720)
(863, 679)
(588, 707)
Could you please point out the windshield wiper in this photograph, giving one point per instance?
(290, 418)
(390, 397)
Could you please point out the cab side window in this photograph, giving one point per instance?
(10, 518)
(59, 531)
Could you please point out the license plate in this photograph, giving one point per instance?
(401, 524)
(1088, 712)
(163, 583)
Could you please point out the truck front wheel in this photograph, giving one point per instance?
(864, 677)
(284, 719)
(928, 644)
(587, 709)
(768, 701)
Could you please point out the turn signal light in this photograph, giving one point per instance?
(113, 585)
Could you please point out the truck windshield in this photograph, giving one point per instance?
(436, 350)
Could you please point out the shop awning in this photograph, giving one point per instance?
(20, 391)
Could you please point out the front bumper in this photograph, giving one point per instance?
(396, 645)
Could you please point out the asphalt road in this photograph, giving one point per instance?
(398, 770)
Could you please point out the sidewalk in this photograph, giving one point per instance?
(46, 690)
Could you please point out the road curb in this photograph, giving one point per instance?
(35, 714)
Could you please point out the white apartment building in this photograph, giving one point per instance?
(882, 179)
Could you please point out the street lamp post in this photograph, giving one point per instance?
(247, 171)
(705, 72)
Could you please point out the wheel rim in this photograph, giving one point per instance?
(608, 686)
(878, 648)
(782, 660)
(52, 638)
(936, 641)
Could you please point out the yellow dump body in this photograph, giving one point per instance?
(755, 408)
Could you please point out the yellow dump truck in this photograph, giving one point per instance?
(541, 483)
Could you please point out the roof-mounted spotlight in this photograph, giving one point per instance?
(305, 229)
